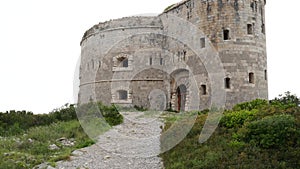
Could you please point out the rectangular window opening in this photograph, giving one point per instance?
(266, 75)
(202, 42)
(227, 83)
(226, 34)
(251, 78)
(123, 95)
(125, 63)
(120, 62)
(263, 30)
(150, 61)
(203, 90)
(161, 61)
(250, 29)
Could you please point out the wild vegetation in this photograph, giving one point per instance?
(256, 134)
(28, 139)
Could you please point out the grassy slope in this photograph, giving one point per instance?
(28, 145)
(256, 136)
(20, 152)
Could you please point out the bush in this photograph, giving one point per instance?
(253, 135)
(98, 110)
(65, 113)
(285, 101)
(16, 122)
(270, 132)
(237, 118)
(111, 114)
(255, 104)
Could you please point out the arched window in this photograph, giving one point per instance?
(227, 83)
(251, 77)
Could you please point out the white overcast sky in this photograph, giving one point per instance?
(39, 46)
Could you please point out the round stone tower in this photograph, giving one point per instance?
(236, 28)
(132, 60)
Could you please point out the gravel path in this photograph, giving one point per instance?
(132, 145)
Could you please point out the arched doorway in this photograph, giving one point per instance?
(181, 97)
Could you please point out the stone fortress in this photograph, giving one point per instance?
(179, 59)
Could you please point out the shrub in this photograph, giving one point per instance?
(111, 114)
(271, 131)
(65, 113)
(237, 118)
(285, 101)
(255, 104)
(85, 144)
(98, 110)
(254, 135)
(16, 122)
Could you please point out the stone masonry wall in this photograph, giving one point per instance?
(242, 53)
(235, 28)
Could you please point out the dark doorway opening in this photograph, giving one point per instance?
(181, 97)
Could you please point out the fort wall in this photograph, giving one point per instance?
(123, 60)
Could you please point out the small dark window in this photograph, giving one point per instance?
(252, 6)
(125, 63)
(226, 34)
(263, 29)
(202, 42)
(150, 61)
(250, 29)
(203, 90)
(251, 77)
(208, 9)
(266, 75)
(161, 61)
(227, 83)
(122, 95)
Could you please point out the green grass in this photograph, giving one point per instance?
(19, 152)
(94, 126)
(26, 137)
(253, 135)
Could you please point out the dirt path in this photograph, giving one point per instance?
(132, 145)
